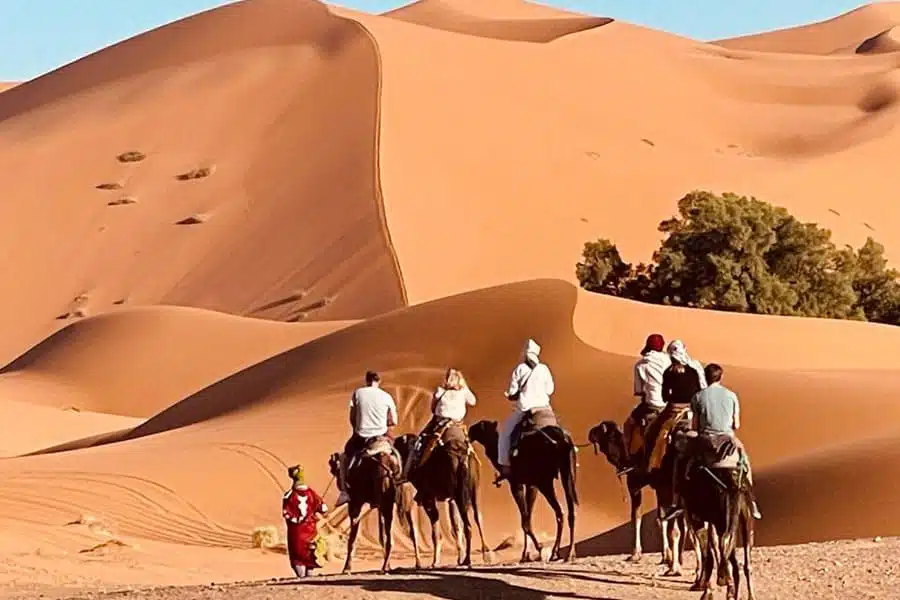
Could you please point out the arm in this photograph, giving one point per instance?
(289, 509)
(695, 418)
(434, 400)
(392, 418)
(513, 383)
(638, 379)
(353, 411)
(470, 397)
(737, 412)
(549, 385)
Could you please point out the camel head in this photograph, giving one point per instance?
(404, 445)
(486, 434)
(334, 462)
(607, 439)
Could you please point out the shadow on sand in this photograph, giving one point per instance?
(484, 583)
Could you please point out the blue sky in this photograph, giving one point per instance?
(37, 36)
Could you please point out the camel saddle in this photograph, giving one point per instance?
(637, 443)
(657, 436)
(447, 431)
(717, 451)
(533, 423)
(380, 444)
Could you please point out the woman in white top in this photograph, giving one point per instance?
(450, 401)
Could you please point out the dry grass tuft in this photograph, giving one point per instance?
(265, 537)
(122, 201)
(132, 156)
(195, 174)
(109, 186)
(193, 220)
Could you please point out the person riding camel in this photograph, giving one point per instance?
(648, 375)
(372, 413)
(530, 387)
(717, 412)
(680, 382)
(676, 348)
(448, 405)
(301, 507)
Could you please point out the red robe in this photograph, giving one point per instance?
(299, 508)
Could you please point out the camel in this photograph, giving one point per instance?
(371, 480)
(544, 452)
(608, 439)
(716, 494)
(450, 472)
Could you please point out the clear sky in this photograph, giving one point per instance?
(37, 36)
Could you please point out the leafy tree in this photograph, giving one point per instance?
(602, 269)
(734, 253)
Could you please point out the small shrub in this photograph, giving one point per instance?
(195, 174)
(132, 156)
(265, 537)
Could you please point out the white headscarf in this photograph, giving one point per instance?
(531, 351)
(678, 352)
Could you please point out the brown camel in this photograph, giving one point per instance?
(544, 451)
(716, 493)
(449, 472)
(371, 480)
(608, 439)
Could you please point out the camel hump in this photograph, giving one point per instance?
(544, 417)
(379, 445)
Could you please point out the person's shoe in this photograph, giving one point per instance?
(343, 498)
(755, 511)
(504, 474)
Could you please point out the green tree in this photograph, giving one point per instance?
(602, 269)
(877, 286)
(734, 253)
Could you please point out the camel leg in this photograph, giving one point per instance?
(666, 558)
(476, 511)
(735, 581)
(525, 497)
(431, 510)
(748, 546)
(453, 514)
(696, 541)
(414, 533)
(636, 520)
(386, 516)
(567, 478)
(549, 493)
(465, 559)
(677, 545)
(354, 511)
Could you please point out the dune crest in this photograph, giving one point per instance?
(219, 225)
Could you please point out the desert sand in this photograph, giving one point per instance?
(214, 228)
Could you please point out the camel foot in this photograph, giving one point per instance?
(635, 557)
(571, 557)
(488, 558)
(697, 587)
(722, 580)
(707, 595)
(346, 571)
(670, 572)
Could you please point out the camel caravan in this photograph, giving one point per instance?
(679, 440)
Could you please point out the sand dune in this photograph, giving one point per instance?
(280, 160)
(184, 107)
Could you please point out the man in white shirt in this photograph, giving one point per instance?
(648, 374)
(530, 387)
(372, 413)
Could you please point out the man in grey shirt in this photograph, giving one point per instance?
(717, 411)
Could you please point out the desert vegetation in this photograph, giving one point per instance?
(733, 253)
(131, 156)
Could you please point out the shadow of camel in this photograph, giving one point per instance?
(447, 585)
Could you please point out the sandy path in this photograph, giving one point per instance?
(845, 570)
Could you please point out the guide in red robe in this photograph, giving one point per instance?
(300, 507)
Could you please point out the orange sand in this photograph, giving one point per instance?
(405, 192)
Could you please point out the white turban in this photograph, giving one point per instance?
(531, 350)
(678, 352)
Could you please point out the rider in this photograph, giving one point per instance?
(648, 374)
(372, 413)
(448, 403)
(676, 348)
(717, 412)
(530, 387)
(680, 383)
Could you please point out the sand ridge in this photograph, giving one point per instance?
(200, 285)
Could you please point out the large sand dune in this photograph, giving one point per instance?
(404, 192)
